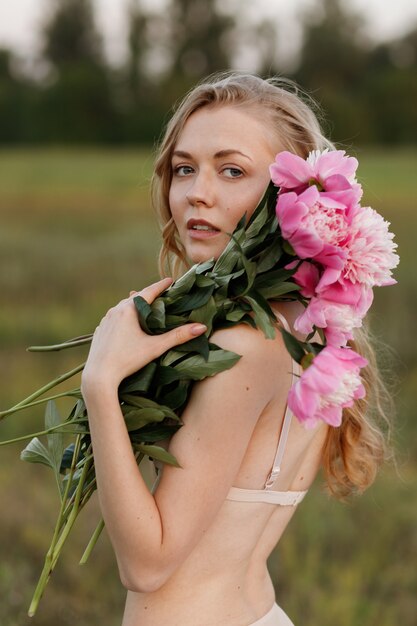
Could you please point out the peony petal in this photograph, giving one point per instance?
(307, 276)
(302, 401)
(289, 212)
(290, 170)
(335, 162)
(306, 243)
(332, 415)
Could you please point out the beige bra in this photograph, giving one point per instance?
(267, 494)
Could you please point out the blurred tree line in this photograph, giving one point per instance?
(368, 92)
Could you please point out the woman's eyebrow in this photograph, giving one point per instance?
(218, 155)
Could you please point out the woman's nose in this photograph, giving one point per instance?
(201, 191)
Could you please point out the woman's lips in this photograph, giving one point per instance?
(198, 228)
(202, 234)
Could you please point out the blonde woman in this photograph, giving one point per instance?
(193, 552)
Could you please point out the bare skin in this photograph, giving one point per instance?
(186, 555)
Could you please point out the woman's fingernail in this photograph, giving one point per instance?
(197, 329)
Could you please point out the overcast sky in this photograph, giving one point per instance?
(20, 19)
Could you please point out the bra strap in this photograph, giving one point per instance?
(282, 442)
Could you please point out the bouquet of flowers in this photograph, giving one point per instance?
(309, 240)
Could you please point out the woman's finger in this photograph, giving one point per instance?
(152, 291)
(181, 335)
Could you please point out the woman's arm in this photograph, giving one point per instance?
(152, 535)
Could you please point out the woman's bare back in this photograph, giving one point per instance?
(225, 580)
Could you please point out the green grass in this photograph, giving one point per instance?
(77, 233)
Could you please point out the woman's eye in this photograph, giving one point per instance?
(183, 170)
(233, 172)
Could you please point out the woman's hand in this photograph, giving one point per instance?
(120, 347)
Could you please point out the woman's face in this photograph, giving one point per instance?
(220, 169)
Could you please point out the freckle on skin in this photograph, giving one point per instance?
(247, 388)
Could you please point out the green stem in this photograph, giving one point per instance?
(71, 343)
(72, 516)
(92, 542)
(71, 393)
(44, 432)
(42, 390)
(48, 567)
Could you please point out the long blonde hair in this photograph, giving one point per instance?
(353, 452)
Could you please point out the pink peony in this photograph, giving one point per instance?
(316, 226)
(357, 295)
(331, 383)
(338, 320)
(331, 170)
(370, 249)
(307, 276)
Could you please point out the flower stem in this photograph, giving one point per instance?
(61, 532)
(92, 542)
(42, 390)
(71, 393)
(71, 343)
(50, 561)
(43, 432)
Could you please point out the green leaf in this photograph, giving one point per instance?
(275, 276)
(262, 212)
(250, 268)
(140, 381)
(199, 344)
(177, 397)
(192, 300)
(167, 374)
(67, 457)
(205, 314)
(196, 368)
(262, 315)
(157, 453)
(145, 403)
(55, 440)
(182, 285)
(235, 315)
(157, 317)
(144, 311)
(288, 248)
(258, 219)
(228, 258)
(79, 410)
(154, 432)
(137, 418)
(172, 321)
(172, 356)
(270, 257)
(275, 290)
(36, 452)
(205, 266)
(202, 280)
(294, 347)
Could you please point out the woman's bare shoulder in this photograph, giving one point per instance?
(264, 360)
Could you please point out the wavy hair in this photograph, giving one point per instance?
(353, 452)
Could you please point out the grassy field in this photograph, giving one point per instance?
(76, 235)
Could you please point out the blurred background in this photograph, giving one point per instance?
(85, 89)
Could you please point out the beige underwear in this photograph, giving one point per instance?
(274, 617)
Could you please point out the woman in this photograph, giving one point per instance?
(194, 551)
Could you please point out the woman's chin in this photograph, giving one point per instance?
(200, 252)
(200, 256)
